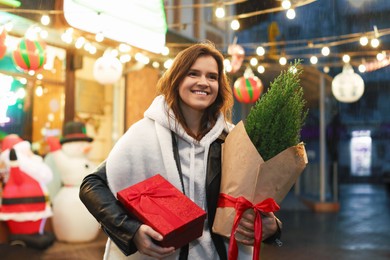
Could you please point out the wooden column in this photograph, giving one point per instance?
(70, 88)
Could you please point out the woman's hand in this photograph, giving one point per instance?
(143, 239)
(245, 232)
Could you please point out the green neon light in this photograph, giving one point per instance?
(11, 3)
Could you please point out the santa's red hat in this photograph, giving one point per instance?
(10, 140)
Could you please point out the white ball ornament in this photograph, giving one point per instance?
(107, 69)
(347, 86)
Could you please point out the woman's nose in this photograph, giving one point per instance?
(203, 81)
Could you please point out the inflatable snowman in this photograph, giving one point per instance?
(25, 206)
(71, 220)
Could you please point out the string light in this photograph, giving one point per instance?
(99, 37)
(363, 40)
(321, 43)
(286, 4)
(346, 58)
(313, 59)
(362, 68)
(260, 51)
(220, 11)
(45, 19)
(260, 69)
(253, 61)
(282, 61)
(380, 56)
(235, 25)
(325, 51)
(290, 14)
(375, 43)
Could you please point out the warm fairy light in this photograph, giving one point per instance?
(363, 41)
(253, 61)
(67, 36)
(165, 51)
(235, 25)
(220, 12)
(290, 14)
(326, 69)
(260, 51)
(99, 37)
(39, 91)
(123, 47)
(114, 53)
(286, 4)
(282, 61)
(325, 51)
(45, 19)
(168, 63)
(346, 58)
(380, 56)
(260, 69)
(362, 68)
(125, 58)
(80, 42)
(375, 43)
(92, 49)
(313, 59)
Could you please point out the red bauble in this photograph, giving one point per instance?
(247, 89)
(3, 47)
(30, 55)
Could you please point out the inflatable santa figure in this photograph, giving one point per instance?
(25, 205)
(71, 220)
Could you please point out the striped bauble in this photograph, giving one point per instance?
(247, 89)
(30, 54)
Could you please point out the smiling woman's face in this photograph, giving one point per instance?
(199, 88)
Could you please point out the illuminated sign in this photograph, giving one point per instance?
(7, 97)
(138, 23)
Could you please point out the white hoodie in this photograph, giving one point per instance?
(146, 149)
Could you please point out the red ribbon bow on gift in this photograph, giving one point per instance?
(241, 204)
(147, 201)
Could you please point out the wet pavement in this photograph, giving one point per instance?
(360, 230)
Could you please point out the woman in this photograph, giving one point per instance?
(190, 114)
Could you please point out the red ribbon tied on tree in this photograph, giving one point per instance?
(148, 202)
(241, 204)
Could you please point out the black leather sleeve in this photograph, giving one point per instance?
(112, 216)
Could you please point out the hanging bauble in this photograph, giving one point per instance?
(347, 86)
(248, 88)
(3, 36)
(107, 69)
(238, 54)
(30, 54)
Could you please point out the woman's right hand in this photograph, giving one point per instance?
(143, 239)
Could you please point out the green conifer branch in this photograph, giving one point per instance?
(274, 123)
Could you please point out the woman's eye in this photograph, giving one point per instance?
(213, 77)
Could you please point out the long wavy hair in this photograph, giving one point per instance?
(169, 83)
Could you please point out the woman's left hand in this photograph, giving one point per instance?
(245, 232)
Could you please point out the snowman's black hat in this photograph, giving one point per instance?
(75, 131)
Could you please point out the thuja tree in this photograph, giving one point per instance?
(274, 123)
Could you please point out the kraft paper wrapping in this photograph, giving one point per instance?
(244, 173)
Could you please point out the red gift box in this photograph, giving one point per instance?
(158, 204)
